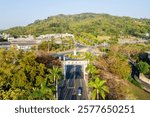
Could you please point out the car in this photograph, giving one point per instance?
(80, 91)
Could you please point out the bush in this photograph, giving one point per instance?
(144, 67)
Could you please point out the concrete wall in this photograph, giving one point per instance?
(149, 56)
(144, 79)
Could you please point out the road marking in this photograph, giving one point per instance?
(80, 82)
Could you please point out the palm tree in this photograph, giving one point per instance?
(92, 70)
(88, 56)
(55, 74)
(42, 93)
(99, 88)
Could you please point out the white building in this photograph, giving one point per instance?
(25, 45)
(54, 36)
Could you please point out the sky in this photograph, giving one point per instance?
(23, 12)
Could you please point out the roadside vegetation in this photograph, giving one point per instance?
(97, 85)
(51, 46)
(116, 70)
(26, 75)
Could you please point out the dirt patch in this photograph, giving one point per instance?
(116, 86)
(121, 89)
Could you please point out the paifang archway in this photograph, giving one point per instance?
(75, 62)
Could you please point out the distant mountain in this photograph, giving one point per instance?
(95, 24)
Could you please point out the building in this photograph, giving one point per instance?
(25, 45)
(48, 37)
(1, 37)
(5, 45)
(4, 36)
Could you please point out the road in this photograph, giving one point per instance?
(74, 80)
(136, 74)
(79, 48)
(68, 89)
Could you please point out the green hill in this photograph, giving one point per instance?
(95, 24)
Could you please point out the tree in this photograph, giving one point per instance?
(23, 76)
(92, 70)
(144, 67)
(55, 74)
(89, 57)
(118, 64)
(89, 26)
(44, 93)
(99, 89)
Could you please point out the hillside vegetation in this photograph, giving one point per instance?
(116, 70)
(79, 24)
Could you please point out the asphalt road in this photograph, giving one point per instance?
(74, 80)
(136, 74)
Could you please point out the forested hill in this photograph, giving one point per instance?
(95, 24)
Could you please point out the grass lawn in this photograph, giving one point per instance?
(138, 93)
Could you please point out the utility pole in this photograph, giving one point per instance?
(74, 92)
(74, 75)
(64, 68)
(48, 46)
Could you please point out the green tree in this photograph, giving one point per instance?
(144, 67)
(44, 93)
(92, 70)
(55, 74)
(22, 76)
(99, 89)
(89, 57)
(86, 26)
(118, 64)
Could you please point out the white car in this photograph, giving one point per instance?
(79, 91)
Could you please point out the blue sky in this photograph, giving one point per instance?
(23, 12)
